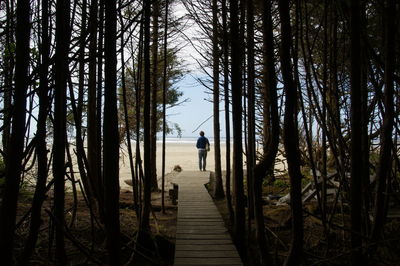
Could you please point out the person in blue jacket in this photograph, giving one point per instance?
(203, 146)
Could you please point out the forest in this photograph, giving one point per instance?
(314, 85)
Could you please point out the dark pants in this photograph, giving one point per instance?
(202, 159)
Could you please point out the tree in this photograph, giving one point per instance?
(174, 72)
(271, 124)
(15, 155)
(110, 137)
(218, 190)
(385, 156)
(236, 70)
(92, 113)
(291, 137)
(60, 108)
(225, 52)
(144, 223)
(356, 131)
(41, 145)
(154, 92)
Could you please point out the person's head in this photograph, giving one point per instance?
(202, 133)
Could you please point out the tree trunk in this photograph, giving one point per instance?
(251, 150)
(92, 134)
(144, 223)
(164, 105)
(8, 75)
(236, 70)
(271, 127)
(61, 76)
(78, 111)
(111, 141)
(356, 131)
(385, 156)
(15, 155)
(227, 114)
(99, 96)
(291, 137)
(154, 85)
(41, 145)
(218, 191)
(126, 117)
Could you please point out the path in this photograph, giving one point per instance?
(201, 237)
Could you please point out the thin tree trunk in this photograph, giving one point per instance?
(15, 155)
(251, 150)
(356, 131)
(365, 145)
(236, 55)
(61, 75)
(126, 116)
(218, 190)
(154, 89)
(164, 104)
(144, 223)
(272, 125)
(291, 138)
(92, 134)
(41, 145)
(111, 141)
(385, 156)
(78, 111)
(138, 161)
(8, 74)
(99, 96)
(227, 114)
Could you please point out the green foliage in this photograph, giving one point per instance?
(281, 183)
(9, 50)
(175, 72)
(2, 173)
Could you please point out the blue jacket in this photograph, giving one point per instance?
(201, 142)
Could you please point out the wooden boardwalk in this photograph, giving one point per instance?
(201, 237)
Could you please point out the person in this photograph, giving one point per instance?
(203, 145)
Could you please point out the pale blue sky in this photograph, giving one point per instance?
(194, 112)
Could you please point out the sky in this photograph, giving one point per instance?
(191, 114)
(199, 107)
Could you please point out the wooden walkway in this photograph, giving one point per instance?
(201, 237)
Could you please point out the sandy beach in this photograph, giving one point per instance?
(182, 153)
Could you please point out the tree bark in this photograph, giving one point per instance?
(111, 137)
(154, 89)
(92, 134)
(291, 137)
(41, 145)
(271, 126)
(356, 131)
(385, 156)
(218, 190)
(236, 70)
(144, 223)
(227, 107)
(8, 75)
(251, 143)
(15, 155)
(61, 76)
(164, 105)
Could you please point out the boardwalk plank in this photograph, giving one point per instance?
(201, 236)
(227, 247)
(206, 254)
(208, 261)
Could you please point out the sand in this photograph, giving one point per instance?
(183, 154)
